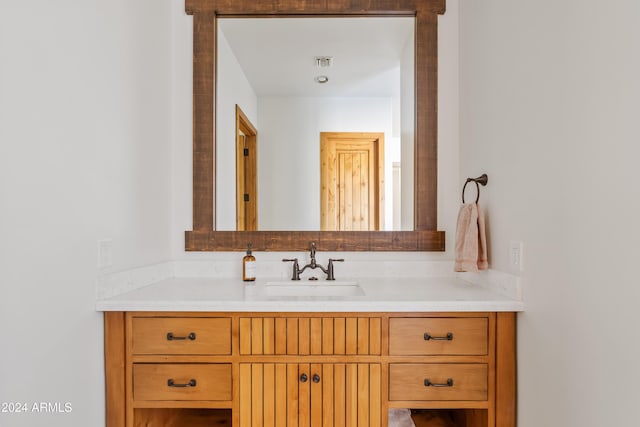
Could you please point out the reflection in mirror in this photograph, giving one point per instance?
(268, 68)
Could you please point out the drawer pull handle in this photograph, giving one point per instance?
(428, 337)
(191, 383)
(316, 378)
(428, 383)
(171, 337)
(304, 378)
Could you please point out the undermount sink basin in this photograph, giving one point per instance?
(313, 289)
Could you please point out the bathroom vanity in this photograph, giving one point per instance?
(308, 361)
(202, 352)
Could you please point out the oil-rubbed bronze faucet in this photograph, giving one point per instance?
(312, 265)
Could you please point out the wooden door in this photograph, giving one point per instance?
(246, 173)
(310, 395)
(352, 181)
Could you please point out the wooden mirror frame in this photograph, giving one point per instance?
(424, 237)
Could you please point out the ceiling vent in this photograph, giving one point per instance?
(323, 61)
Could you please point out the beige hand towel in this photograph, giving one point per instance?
(471, 241)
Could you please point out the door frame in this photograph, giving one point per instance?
(246, 211)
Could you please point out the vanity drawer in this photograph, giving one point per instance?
(182, 381)
(438, 336)
(177, 335)
(438, 381)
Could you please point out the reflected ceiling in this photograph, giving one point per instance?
(277, 64)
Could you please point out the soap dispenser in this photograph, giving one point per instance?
(249, 266)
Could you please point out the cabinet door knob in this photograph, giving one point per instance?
(448, 337)
(171, 337)
(171, 383)
(316, 378)
(428, 383)
(304, 378)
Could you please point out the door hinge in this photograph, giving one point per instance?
(246, 197)
(246, 152)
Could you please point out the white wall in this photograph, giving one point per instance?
(289, 153)
(549, 109)
(235, 90)
(84, 155)
(407, 133)
(449, 185)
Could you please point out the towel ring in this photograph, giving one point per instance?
(482, 179)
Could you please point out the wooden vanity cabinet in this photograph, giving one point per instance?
(308, 369)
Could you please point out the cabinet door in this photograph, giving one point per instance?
(310, 395)
(352, 395)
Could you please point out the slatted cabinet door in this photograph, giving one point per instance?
(310, 395)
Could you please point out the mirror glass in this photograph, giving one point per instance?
(315, 123)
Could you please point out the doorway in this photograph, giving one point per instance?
(246, 173)
(351, 181)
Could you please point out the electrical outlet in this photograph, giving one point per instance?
(515, 255)
(105, 253)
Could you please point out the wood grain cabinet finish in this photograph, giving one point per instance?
(438, 381)
(184, 381)
(176, 335)
(439, 336)
(310, 336)
(307, 369)
(310, 394)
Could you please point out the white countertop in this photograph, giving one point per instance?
(445, 294)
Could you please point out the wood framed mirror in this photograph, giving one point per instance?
(424, 236)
